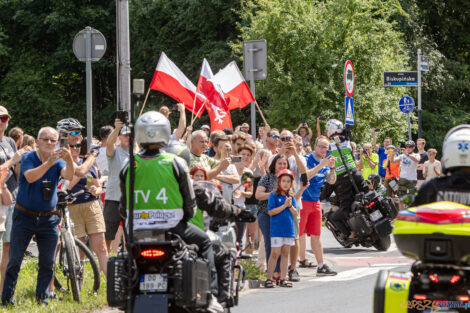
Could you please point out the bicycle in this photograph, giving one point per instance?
(69, 262)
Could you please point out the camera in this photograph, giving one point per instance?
(46, 187)
(236, 159)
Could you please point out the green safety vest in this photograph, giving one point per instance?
(347, 155)
(158, 203)
(198, 219)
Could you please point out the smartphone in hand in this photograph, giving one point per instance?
(122, 116)
(64, 142)
(303, 121)
(236, 159)
(321, 118)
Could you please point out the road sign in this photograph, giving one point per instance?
(349, 110)
(349, 78)
(254, 59)
(406, 104)
(424, 63)
(98, 45)
(394, 79)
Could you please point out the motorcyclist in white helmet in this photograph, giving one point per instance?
(343, 188)
(162, 180)
(455, 185)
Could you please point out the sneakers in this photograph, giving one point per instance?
(325, 271)
(214, 306)
(294, 276)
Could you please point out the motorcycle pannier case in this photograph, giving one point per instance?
(435, 233)
(195, 287)
(391, 292)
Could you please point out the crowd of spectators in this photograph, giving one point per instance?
(278, 176)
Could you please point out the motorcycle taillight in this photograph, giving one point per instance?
(152, 253)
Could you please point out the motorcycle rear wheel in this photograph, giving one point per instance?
(383, 243)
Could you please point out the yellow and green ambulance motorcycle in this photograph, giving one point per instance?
(437, 236)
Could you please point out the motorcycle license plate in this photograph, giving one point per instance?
(153, 282)
(376, 215)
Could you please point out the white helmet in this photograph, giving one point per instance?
(152, 128)
(456, 148)
(334, 127)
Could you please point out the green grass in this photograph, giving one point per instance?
(25, 294)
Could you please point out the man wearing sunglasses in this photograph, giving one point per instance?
(272, 140)
(35, 211)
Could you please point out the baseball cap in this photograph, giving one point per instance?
(206, 127)
(125, 130)
(4, 111)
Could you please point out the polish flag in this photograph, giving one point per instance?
(234, 86)
(169, 79)
(209, 88)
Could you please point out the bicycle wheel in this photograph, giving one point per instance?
(73, 264)
(93, 264)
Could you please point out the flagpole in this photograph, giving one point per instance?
(194, 106)
(195, 116)
(261, 113)
(145, 101)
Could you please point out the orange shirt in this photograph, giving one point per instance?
(394, 169)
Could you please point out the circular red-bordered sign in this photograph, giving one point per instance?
(349, 78)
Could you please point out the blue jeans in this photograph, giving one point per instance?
(47, 235)
(264, 222)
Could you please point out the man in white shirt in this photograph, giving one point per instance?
(408, 169)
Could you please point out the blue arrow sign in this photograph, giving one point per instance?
(406, 104)
(349, 110)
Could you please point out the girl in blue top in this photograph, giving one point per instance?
(281, 208)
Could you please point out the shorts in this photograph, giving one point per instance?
(277, 242)
(87, 218)
(8, 221)
(253, 208)
(112, 218)
(310, 218)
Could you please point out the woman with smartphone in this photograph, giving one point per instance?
(86, 212)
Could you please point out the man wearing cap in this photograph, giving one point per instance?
(118, 156)
(9, 157)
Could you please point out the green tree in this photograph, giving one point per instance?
(308, 44)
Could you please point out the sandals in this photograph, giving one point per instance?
(306, 264)
(285, 283)
(269, 283)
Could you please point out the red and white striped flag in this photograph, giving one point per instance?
(234, 86)
(169, 79)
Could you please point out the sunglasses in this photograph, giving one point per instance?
(78, 145)
(288, 138)
(275, 136)
(4, 118)
(75, 133)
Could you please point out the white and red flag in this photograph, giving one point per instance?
(169, 79)
(215, 104)
(236, 91)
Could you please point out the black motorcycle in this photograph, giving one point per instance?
(370, 220)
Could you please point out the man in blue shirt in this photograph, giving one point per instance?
(311, 214)
(381, 152)
(35, 212)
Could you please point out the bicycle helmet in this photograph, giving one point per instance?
(178, 149)
(152, 128)
(69, 124)
(334, 127)
(456, 148)
(410, 143)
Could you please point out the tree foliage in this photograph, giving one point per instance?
(308, 45)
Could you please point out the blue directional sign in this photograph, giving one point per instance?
(349, 110)
(406, 104)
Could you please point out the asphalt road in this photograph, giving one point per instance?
(351, 291)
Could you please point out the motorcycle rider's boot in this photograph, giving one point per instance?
(215, 306)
